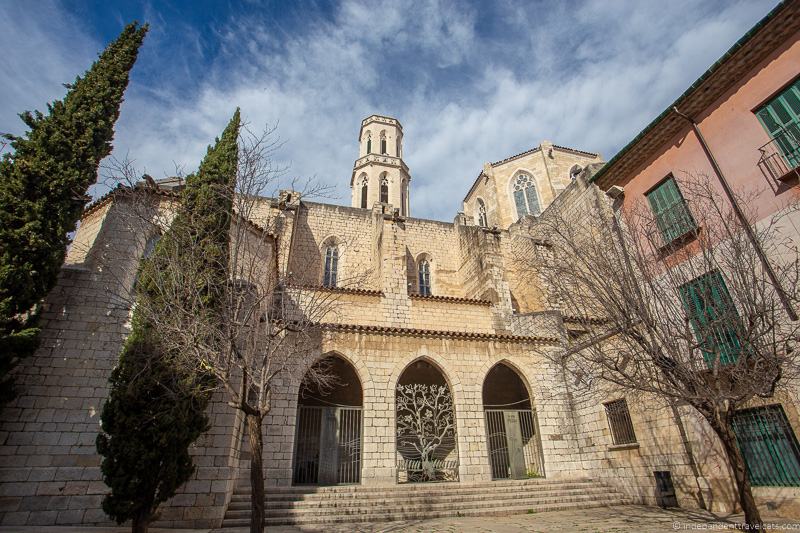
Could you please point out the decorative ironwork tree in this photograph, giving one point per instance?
(425, 422)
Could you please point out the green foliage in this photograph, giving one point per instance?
(152, 416)
(43, 186)
(156, 407)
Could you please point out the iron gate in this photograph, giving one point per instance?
(513, 442)
(327, 445)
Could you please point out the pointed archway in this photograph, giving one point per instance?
(512, 432)
(328, 436)
(425, 425)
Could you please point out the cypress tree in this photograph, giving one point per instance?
(43, 187)
(156, 407)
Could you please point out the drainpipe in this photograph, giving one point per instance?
(762, 256)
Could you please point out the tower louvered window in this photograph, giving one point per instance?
(364, 194)
(526, 198)
(385, 190)
(331, 266)
(713, 317)
(424, 278)
(672, 215)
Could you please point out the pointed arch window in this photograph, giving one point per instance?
(383, 143)
(403, 198)
(424, 277)
(331, 266)
(482, 221)
(364, 191)
(525, 196)
(369, 143)
(385, 190)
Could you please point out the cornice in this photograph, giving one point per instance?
(430, 333)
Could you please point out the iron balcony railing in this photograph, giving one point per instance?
(780, 157)
(672, 224)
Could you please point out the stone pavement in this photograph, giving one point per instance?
(625, 518)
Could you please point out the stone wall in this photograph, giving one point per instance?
(49, 467)
(380, 358)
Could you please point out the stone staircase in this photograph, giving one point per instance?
(317, 506)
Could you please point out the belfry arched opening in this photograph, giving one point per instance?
(512, 432)
(328, 438)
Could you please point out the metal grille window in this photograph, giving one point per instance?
(619, 421)
(713, 316)
(425, 278)
(671, 212)
(331, 266)
(769, 446)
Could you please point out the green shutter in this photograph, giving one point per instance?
(781, 118)
(672, 214)
(713, 317)
(769, 446)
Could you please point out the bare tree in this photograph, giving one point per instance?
(425, 422)
(274, 321)
(678, 305)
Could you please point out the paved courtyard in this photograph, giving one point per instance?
(636, 518)
(601, 519)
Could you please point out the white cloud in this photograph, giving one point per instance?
(468, 86)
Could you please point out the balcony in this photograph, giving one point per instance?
(672, 227)
(780, 157)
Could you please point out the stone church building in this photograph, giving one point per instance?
(443, 306)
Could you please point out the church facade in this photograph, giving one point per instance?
(441, 305)
(420, 303)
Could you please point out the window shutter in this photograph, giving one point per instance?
(713, 317)
(782, 111)
(671, 212)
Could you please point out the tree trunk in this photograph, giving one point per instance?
(140, 522)
(751, 514)
(256, 474)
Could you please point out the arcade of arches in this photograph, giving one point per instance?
(330, 426)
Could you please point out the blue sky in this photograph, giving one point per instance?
(470, 81)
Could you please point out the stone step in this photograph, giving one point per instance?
(388, 516)
(243, 502)
(415, 491)
(422, 507)
(447, 487)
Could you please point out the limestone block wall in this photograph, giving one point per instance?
(49, 467)
(431, 313)
(439, 242)
(380, 359)
(547, 164)
(351, 228)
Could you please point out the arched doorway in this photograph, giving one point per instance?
(512, 431)
(425, 425)
(328, 431)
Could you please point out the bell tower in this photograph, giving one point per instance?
(379, 173)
